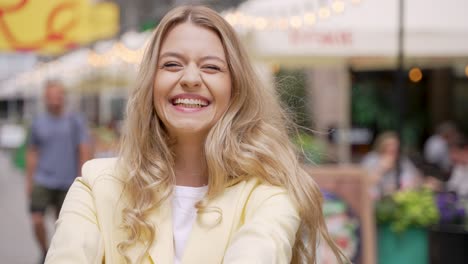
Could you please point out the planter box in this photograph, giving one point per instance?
(408, 247)
(448, 244)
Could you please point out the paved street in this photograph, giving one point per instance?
(17, 244)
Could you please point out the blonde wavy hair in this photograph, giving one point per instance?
(250, 140)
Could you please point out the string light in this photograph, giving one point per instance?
(261, 23)
(297, 18)
(283, 23)
(415, 75)
(119, 53)
(231, 18)
(324, 13)
(295, 22)
(338, 6)
(309, 19)
(275, 68)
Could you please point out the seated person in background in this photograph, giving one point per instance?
(381, 164)
(458, 181)
(436, 148)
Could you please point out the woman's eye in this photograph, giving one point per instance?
(212, 67)
(171, 65)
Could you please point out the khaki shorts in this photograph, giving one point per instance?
(42, 197)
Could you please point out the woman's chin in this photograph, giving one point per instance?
(191, 130)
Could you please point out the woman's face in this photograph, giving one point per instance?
(390, 146)
(192, 87)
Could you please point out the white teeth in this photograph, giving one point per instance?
(187, 101)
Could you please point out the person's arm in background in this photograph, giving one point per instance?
(85, 154)
(377, 166)
(31, 158)
(31, 165)
(84, 147)
(411, 176)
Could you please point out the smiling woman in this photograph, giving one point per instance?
(206, 172)
(192, 87)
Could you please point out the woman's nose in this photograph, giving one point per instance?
(191, 77)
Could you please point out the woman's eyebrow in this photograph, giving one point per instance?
(212, 57)
(181, 57)
(171, 54)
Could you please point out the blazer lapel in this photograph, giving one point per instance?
(211, 231)
(162, 250)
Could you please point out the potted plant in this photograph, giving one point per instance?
(403, 219)
(451, 232)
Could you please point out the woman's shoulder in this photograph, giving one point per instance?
(257, 192)
(256, 185)
(103, 168)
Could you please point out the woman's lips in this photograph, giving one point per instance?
(189, 103)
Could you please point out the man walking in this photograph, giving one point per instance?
(58, 146)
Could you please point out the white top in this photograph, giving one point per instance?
(436, 151)
(458, 181)
(387, 184)
(184, 214)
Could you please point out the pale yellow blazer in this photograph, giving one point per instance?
(258, 224)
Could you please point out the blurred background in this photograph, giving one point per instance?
(379, 88)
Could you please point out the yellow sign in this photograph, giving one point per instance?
(55, 26)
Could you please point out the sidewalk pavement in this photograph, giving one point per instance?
(17, 242)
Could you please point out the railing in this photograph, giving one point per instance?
(350, 183)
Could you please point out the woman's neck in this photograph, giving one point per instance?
(190, 165)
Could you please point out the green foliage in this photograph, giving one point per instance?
(407, 208)
(364, 107)
(312, 148)
(149, 25)
(373, 106)
(19, 157)
(291, 87)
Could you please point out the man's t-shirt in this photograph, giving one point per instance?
(56, 138)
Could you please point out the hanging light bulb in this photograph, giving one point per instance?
(295, 22)
(232, 19)
(275, 68)
(338, 6)
(261, 23)
(309, 18)
(283, 23)
(306, 15)
(324, 12)
(415, 75)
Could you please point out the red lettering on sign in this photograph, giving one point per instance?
(331, 38)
